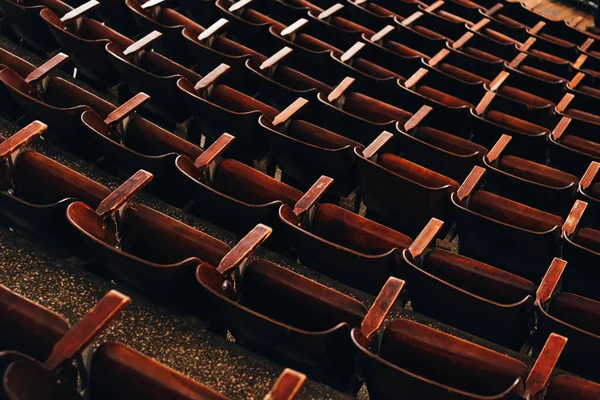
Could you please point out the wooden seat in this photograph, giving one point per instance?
(569, 315)
(497, 305)
(529, 182)
(85, 44)
(385, 178)
(488, 225)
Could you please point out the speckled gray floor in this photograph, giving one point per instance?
(180, 341)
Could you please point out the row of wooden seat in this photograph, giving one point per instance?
(40, 358)
(267, 307)
(359, 251)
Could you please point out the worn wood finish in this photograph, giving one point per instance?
(156, 75)
(529, 182)
(422, 362)
(529, 128)
(425, 193)
(451, 98)
(30, 328)
(25, 21)
(439, 149)
(580, 248)
(70, 345)
(147, 249)
(488, 224)
(571, 148)
(249, 23)
(497, 305)
(40, 190)
(564, 387)
(330, 153)
(315, 340)
(236, 195)
(345, 246)
(86, 44)
(167, 21)
(572, 316)
(589, 191)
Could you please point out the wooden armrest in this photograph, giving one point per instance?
(352, 51)
(381, 306)
(80, 11)
(117, 199)
(312, 195)
(550, 281)
(470, 183)
(573, 218)
(427, 235)
(143, 43)
(289, 111)
(43, 70)
(590, 175)
(377, 144)
(126, 109)
(244, 248)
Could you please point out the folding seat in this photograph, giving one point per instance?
(528, 126)
(213, 46)
(59, 363)
(527, 90)
(232, 194)
(24, 19)
(550, 52)
(337, 24)
(35, 199)
(293, 140)
(586, 86)
(341, 244)
(56, 101)
(328, 64)
(288, 317)
(431, 25)
(562, 312)
(155, 74)
(356, 115)
(30, 328)
(534, 184)
(247, 22)
(555, 73)
(572, 147)
(497, 230)
(277, 82)
(218, 107)
(401, 193)
(118, 372)
(476, 45)
(580, 248)
(368, 57)
(85, 39)
(465, 68)
(451, 98)
(202, 11)
(418, 361)
(589, 190)
(564, 387)
(144, 248)
(10, 110)
(581, 110)
(494, 304)
(406, 41)
(499, 32)
(426, 141)
(151, 16)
